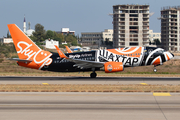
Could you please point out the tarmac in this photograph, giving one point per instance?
(89, 106)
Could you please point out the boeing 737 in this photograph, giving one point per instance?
(112, 60)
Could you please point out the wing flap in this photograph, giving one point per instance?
(86, 64)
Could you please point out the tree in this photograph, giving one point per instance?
(150, 42)
(74, 43)
(49, 34)
(33, 38)
(71, 39)
(39, 33)
(8, 35)
(157, 42)
(59, 37)
(107, 41)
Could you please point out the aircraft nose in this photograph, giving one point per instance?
(170, 55)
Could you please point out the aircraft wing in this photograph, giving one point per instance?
(80, 63)
(86, 64)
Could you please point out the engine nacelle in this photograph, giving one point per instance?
(113, 67)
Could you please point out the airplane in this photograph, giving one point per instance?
(112, 60)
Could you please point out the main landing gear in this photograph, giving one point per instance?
(93, 74)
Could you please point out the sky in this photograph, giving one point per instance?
(78, 15)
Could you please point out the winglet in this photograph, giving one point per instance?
(68, 49)
(61, 54)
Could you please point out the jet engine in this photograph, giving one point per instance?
(110, 67)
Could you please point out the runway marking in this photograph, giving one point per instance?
(161, 94)
(45, 83)
(143, 83)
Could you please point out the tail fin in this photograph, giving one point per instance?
(21, 41)
(68, 49)
(28, 50)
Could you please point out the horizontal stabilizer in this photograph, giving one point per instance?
(20, 60)
(61, 54)
(68, 49)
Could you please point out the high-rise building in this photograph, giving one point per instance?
(130, 25)
(170, 28)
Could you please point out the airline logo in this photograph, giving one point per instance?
(38, 56)
(131, 56)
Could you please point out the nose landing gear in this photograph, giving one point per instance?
(155, 70)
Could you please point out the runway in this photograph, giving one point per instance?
(87, 80)
(89, 106)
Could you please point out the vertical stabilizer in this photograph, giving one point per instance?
(28, 50)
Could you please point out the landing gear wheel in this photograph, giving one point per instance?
(93, 75)
(155, 70)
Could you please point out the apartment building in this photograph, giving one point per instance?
(91, 39)
(94, 40)
(130, 25)
(107, 34)
(170, 28)
(154, 35)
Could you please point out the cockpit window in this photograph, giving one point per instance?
(160, 51)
